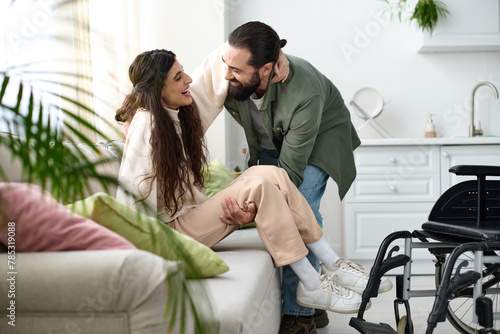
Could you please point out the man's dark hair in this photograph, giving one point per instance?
(260, 39)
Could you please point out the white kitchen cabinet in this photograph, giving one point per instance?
(367, 224)
(471, 26)
(394, 190)
(397, 186)
(402, 160)
(390, 187)
(386, 174)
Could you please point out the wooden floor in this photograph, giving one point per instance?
(382, 310)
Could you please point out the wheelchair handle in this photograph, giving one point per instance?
(476, 170)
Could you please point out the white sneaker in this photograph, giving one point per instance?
(353, 276)
(330, 296)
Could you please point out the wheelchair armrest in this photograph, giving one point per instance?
(476, 170)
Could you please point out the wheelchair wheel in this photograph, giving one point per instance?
(460, 308)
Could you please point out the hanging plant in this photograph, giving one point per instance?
(426, 12)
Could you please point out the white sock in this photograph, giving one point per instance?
(306, 273)
(324, 252)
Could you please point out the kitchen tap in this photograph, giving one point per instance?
(472, 129)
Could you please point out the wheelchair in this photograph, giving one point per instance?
(462, 234)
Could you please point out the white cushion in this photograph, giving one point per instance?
(247, 298)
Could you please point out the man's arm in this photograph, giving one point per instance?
(209, 87)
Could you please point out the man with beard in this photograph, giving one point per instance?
(301, 125)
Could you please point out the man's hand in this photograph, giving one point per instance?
(281, 69)
(234, 215)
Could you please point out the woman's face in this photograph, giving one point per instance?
(175, 93)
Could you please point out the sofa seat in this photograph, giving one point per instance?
(122, 291)
(247, 298)
(86, 292)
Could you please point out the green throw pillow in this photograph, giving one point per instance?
(217, 177)
(151, 235)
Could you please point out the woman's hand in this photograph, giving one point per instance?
(281, 69)
(234, 215)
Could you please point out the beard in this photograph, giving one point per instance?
(242, 92)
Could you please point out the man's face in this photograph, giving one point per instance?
(244, 79)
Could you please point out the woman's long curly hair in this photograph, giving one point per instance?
(173, 159)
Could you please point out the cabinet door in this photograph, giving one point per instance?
(391, 187)
(466, 155)
(471, 26)
(367, 224)
(399, 161)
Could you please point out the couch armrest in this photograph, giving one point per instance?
(115, 291)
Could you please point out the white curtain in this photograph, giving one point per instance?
(83, 66)
(115, 43)
(103, 38)
(55, 46)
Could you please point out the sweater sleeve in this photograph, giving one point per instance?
(136, 165)
(209, 88)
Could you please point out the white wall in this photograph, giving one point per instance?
(356, 45)
(191, 29)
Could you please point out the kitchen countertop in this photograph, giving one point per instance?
(431, 141)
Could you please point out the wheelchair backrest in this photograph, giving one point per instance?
(459, 203)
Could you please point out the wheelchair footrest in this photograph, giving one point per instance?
(371, 328)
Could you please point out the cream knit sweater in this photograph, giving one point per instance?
(208, 89)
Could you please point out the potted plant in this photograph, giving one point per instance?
(426, 12)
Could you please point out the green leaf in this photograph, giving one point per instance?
(5, 82)
(19, 97)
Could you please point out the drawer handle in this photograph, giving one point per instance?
(392, 160)
(446, 155)
(393, 188)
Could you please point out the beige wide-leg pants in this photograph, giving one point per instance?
(284, 220)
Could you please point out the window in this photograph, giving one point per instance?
(74, 49)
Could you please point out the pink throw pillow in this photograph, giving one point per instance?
(37, 223)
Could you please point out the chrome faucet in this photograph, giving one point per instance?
(472, 129)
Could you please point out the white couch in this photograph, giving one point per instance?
(122, 291)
